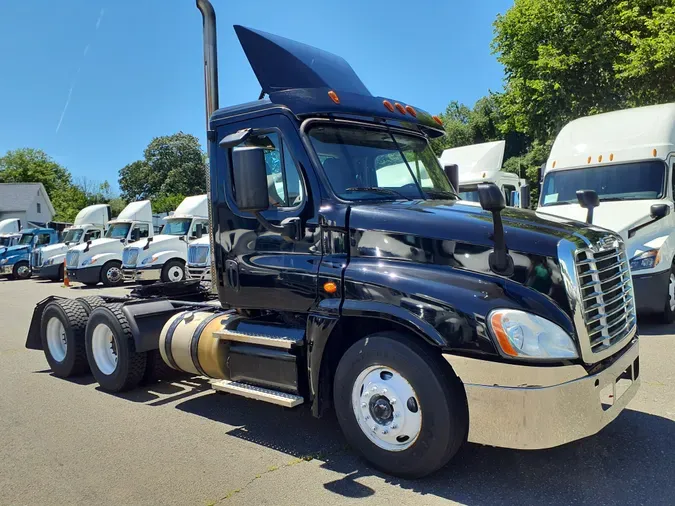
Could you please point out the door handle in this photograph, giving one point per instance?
(232, 273)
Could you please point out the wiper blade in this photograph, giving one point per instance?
(434, 191)
(376, 189)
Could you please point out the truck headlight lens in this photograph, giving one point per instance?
(89, 261)
(3, 261)
(647, 260)
(523, 335)
(149, 260)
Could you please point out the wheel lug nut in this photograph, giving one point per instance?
(374, 428)
(393, 401)
(374, 389)
(363, 404)
(385, 431)
(384, 391)
(394, 426)
(367, 417)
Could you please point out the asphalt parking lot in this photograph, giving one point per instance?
(67, 442)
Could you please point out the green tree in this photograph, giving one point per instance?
(166, 203)
(171, 165)
(565, 59)
(28, 165)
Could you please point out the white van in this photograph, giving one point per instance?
(482, 163)
(627, 158)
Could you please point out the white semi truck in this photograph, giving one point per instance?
(199, 259)
(163, 256)
(9, 232)
(100, 261)
(622, 162)
(90, 224)
(482, 163)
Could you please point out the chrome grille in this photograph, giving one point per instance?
(72, 258)
(198, 254)
(130, 256)
(607, 300)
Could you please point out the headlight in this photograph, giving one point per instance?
(524, 335)
(89, 261)
(49, 261)
(3, 261)
(647, 260)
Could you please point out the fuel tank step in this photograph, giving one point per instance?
(258, 393)
(262, 334)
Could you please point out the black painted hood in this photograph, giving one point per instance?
(466, 222)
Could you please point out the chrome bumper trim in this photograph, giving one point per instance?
(142, 274)
(6, 269)
(200, 273)
(506, 409)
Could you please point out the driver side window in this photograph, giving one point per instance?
(284, 187)
(42, 239)
(140, 231)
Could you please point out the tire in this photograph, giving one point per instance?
(21, 270)
(66, 356)
(111, 274)
(668, 315)
(90, 303)
(157, 370)
(432, 427)
(173, 270)
(121, 368)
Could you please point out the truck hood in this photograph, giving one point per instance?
(466, 222)
(618, 217)
(54, 249)
(158, 242)
(13, 250)
(103, 243)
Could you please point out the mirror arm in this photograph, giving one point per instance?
(500, 261)
(290, 230)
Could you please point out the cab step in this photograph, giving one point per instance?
(258, 393)
(262, 334)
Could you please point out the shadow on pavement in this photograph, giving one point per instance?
(652, 325)
(630, 462)
(163, 392)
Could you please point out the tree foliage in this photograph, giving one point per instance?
(172, 165)
(27, 165)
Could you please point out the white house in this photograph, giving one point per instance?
(28, 202)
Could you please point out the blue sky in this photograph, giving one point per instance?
(91, 82)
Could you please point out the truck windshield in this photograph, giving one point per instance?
(73, 235)
(626, 181)
(4, 241)
(177, 226)
(118, 230)
(26, 239)
(469, 193)
(365, 163)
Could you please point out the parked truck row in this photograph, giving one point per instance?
(350, 276)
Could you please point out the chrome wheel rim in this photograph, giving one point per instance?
(175, 273)
(386, 408)
(56, 339)
(22, 270)
(104, 348)
(114, 274)
(671, 291)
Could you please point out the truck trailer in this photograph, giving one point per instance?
(90, 224)
(415, 348)
(163, 257)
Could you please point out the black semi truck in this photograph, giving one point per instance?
(350, 276)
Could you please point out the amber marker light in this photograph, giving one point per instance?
(654, 152)
(329, 287)
(333, 96)
(411, 111)
(399, 108)
(388, 105)
(437, 120)
(599, 158)
(611, 157)
(500, 334)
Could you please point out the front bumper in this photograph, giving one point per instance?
(47, 271)
(88, 275)
(529, 407)
(200, 273)
(142, 273)
(6, 269)
(651, 291)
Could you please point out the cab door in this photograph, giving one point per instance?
(258, 268)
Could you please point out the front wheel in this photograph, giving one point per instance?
(21, 270)
(173, 270)
(400, 405)
(111, 274)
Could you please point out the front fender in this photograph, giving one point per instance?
(102, 258)
(162, 257)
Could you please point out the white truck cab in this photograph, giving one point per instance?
(627, 158)
(482, 163)
(90, 224)
(163, 257)
(9, 232)
(101, 260)
(199, 259)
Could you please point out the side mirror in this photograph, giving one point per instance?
(588, 199)
(249, 174)
(515, 198)
(525, 196)
(658, 211)
(452, 173)
(492, 199)
(198, 232)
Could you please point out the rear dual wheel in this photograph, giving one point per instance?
(62, 331)
(400, 405)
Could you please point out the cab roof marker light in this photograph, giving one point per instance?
(411, 111)
(599, 158)
(438, 120)
(553, 164)
(611, 157)
(333, 96)
(399, 108)
(654, 152)
(388, 105)
(589, 160)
